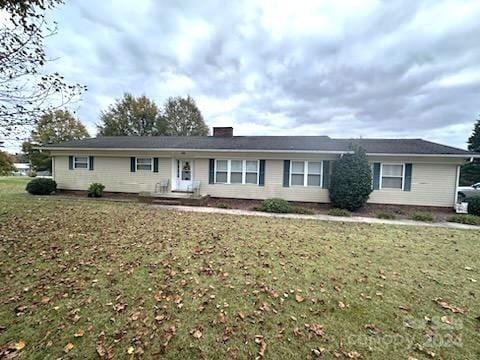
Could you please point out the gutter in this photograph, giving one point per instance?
(470, 156)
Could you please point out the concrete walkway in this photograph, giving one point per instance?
(353, 219)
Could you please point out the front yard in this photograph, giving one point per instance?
(86, 279)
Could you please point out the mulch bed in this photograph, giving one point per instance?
(369, 210)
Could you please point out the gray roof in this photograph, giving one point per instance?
(265, 143)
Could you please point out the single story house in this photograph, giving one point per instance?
(295, 168)
(21, 169)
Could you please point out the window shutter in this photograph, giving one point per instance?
(155, 164)
(286, 173)
(211, 169)
(90, 162)
(261, 175)
(408, 178)
(70, 162)
(376, 176)
(326, 174)
(132, 164)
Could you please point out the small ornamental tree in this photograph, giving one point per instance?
(351, 181)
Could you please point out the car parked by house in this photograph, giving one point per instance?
(466, 192)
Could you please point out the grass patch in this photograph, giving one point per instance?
(386, 215)
(109, 276)
(422, 216)
(465, 219)
(339, 212)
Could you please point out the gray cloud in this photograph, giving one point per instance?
(391, 68)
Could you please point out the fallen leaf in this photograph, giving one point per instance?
(68, 347)
(444, 304)
(299, 298)
(317, 329)
(20, 345)
(446, 320)
(130, 350)
(79, 333)
(372, 328)
(263, 345)
(319, 351)
(197, 332)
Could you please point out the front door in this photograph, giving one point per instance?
(184, 178)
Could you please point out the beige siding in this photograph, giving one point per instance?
(273, 186)
(432, 185)
(433, 179)
(113, 172)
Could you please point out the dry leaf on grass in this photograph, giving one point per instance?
(20, 345)
(197, 332)
(68, 347)
(299, 298)
(444, 304)
(263, 345)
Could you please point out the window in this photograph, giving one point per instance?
(221, 171)
(251, 176)
(80, 162)
(306, 173)
(236, 171)
(314, 173)
(392, 176)
(144, 164)
(298, 173)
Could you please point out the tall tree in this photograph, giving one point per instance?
(26, 90)
(474, 139)
(130, 116)
(183, 118)
(6, 163)
(58, 126)
(470, 173)
(54, 127)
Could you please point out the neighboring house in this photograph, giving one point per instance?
(295, 168)
(21, 169)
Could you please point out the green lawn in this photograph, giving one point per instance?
(81, 278)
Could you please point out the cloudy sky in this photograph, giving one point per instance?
(340, 68)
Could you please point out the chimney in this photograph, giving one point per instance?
(226, 131)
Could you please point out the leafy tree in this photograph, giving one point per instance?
(183, 118)
(53, 127)
(40, 161)
(58, 126)
(470, 173)
(351, 181)
(6, 163)
(474, 139)
(26, 90)
(132, 116)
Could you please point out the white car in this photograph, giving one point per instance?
(465, 192)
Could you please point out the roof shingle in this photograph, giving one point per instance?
(265, 143)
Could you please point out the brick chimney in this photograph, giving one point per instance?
(226, 131)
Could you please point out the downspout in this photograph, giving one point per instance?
(457, 182)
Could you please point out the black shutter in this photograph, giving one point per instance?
(376, 176)
(286, 173)
(326, 174)
(408, 178)
(155, 164)
(90, 163)
(261, 177)
(70, 162)
(211, 171)
(133, 164)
